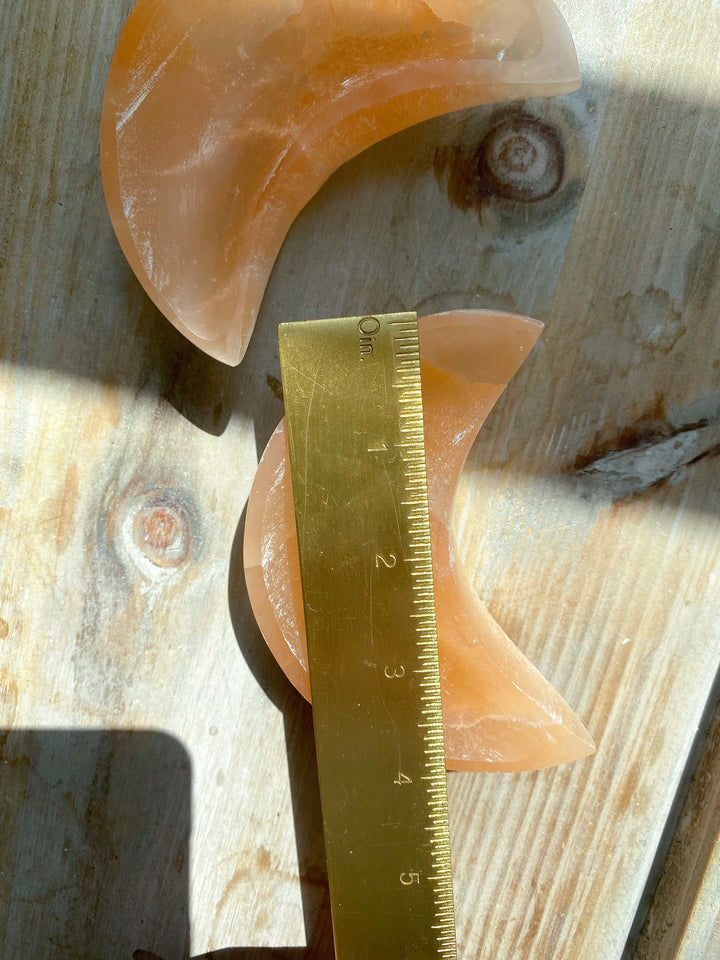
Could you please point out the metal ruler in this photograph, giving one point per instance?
(357, 456)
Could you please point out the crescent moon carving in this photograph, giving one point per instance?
(500, 713)
(222, 118)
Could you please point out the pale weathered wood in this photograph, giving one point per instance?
(615, 599)
(126, 459)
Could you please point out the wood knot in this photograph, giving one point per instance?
(521, 169)
(522, 159)
(152, 529)
(162, 531)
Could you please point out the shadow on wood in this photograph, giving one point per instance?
(410, 224)
(302, 769)
(94, 858)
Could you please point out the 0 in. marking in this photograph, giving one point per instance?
(368, 328)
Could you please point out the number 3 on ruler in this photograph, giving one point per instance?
(395, 673)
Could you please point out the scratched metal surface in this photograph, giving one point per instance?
(588, 516)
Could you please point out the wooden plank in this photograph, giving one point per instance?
(701, 939)
(600, 586)
(126, 458)
(683, 921)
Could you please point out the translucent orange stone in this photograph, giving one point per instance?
(222, 118)
(499, 711)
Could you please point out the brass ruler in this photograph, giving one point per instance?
(357, 456)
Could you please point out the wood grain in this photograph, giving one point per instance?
(701, 938)
(126, 459)
(683, 922)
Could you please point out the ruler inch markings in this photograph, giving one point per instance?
(353, 398)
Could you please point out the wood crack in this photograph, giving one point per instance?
(627, 468)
